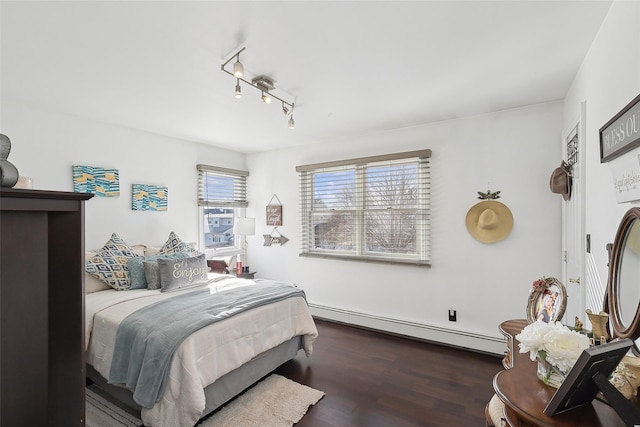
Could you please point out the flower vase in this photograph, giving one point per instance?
(549, 374)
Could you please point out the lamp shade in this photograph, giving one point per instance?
(238, 69)
(244, 226)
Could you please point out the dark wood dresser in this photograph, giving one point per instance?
(42, 370)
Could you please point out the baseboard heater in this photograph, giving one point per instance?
(449, 336)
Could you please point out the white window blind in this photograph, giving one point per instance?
(221, 187)
(373, 208)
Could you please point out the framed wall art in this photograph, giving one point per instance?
(149, 198)
(96, 180)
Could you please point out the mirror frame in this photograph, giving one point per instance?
(618, 329)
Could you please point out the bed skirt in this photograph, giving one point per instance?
(225, 387)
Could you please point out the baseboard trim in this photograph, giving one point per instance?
(433, 333)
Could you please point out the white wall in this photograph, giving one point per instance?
(46, 144)
(512, 151)
(608, 80)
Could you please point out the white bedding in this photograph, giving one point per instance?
(207, 354)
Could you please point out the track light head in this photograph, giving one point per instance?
(291, 124)
(287, 112)
(266, 98)
(238, 90)
(238, 68)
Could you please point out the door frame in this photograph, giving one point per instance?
(575, 224)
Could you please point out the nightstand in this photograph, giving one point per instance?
(245, 275)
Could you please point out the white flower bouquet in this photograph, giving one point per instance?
(553, 343)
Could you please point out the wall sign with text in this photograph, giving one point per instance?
(622, 133)
(275, 238)
(626, 178)
(274, 212)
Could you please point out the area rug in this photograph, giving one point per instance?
(274, 402)
(102, 413)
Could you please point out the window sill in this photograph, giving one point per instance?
(368, 259)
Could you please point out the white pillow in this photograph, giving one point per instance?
(139, 249)
(151, 251)
(91, 284)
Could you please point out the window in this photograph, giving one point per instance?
(221, 193)
(373, 208)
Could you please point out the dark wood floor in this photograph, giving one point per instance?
(373, 379)
(379, 380)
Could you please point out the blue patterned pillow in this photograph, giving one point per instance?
(174, 245)
(110, 263)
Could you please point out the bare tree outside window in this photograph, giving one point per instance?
(367, 210)
(390, 211)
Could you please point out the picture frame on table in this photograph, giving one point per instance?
(589, 376)
(547, 302)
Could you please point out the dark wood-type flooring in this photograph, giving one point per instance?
(372, 379)
(379, 380)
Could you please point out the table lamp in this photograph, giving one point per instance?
(244, 227)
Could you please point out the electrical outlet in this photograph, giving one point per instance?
(452, 315)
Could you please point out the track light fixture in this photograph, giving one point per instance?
(287, 112)
(238, 68)
(238, 89)
(262, 83)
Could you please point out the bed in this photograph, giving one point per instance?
(211, 365)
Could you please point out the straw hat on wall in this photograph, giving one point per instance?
(489, 221)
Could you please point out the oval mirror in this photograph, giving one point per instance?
(624, 279)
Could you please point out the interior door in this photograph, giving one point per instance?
(574, 241)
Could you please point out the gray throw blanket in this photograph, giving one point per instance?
(147, 339)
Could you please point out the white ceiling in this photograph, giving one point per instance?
(351, 67)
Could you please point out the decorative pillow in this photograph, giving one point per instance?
(178, 274)
(137, 271)
(219, 265)
(151, 274)
(175, 244)
(91, 284)
(139, 249)
(151, 251)
(110, 263)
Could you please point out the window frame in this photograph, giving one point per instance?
(236, 201)
(421, 256)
